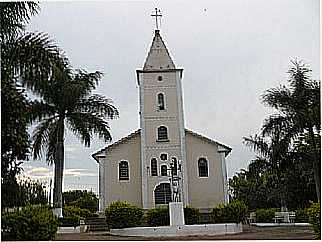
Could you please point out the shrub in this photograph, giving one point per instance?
(191, 215)
(122, 214)
(31, 223)
(71, 211)
(264, 215)
(72, 221)
(301, 216)
(234, 212)
(158, 216)
(314, 213)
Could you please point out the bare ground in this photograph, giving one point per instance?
(250, 233)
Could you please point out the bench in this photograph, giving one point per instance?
(285, 217)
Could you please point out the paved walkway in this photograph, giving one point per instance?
(250, 233)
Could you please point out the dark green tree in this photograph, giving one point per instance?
(27, 60)
(298, 112)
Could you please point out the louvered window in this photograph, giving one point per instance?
(161, 101)
(164, 170)
(175, 166)
(203, 167)
(123, 170)
(154, 167)
(162, 133)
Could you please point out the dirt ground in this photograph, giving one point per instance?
(249, 233)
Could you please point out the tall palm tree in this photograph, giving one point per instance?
(27, 60)
(66, 102)
(298, 109)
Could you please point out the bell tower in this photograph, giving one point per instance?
(161, 122)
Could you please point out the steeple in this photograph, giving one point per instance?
(158, 56)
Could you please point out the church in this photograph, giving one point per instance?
(139, 167)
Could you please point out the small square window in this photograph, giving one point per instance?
(159, 78)
(163, 156)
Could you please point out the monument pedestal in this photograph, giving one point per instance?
(176, 213)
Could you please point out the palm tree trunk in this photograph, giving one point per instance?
(59, 169)
(316, 166)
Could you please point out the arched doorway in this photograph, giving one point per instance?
(162, 194)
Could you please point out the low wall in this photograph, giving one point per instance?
(180, 230)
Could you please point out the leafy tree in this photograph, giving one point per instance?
(27, 60)
(81, 199)
(66, 102)
(298, 113)
(23, 193)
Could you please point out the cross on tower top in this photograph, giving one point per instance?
(156, 15)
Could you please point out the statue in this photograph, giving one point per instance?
(175, 190)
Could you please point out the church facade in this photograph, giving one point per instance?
(139, 167)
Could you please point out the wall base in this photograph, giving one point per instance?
(184, 230)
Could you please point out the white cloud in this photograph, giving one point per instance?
(41, 173)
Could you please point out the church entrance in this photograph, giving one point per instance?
(162, 194)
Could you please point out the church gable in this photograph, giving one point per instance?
(132, 137)
(221, 147)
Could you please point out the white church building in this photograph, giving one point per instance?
(137, 168)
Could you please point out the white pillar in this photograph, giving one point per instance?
(224, 175)
(176, 213)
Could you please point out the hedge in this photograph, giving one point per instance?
(158, 216)
(191, 215)
(31, 223)
(301, 216)
(233, 212)
(121, 214)
(314, 213)
(264, 215)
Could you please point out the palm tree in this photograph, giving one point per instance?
(67, 103)
(298, 109)
(274, 152)
(27, 60)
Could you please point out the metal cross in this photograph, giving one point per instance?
(156, 15)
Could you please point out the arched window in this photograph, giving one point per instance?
(162, 133)
(154, 167)
(161, 101)
(162, 194)
(175, 166)
(164, 170)
(203, 167)
(123, 170)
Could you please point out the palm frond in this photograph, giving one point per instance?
(279, 98)
(39, 110)
(97, 105)
(84, 82)
(258, 144)
(275, 122)
(85, 125)
(14, 16)
(32, 57)
(43, 137)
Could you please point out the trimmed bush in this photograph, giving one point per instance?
(264, 215)
(301, 216)
(158, 216)
(31, 223)
(234, 212)
(314, 213)
(121, 214)
(71, 211)
(191, 215)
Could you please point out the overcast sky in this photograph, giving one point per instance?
(231, 52)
